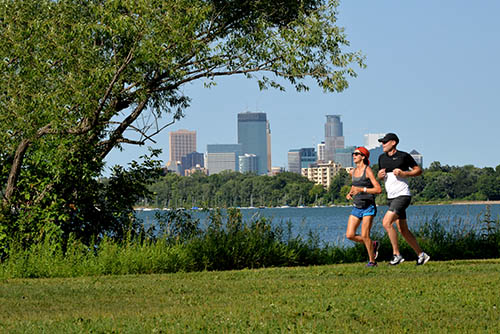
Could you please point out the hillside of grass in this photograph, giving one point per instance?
(440, 297)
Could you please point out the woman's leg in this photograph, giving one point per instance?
(352, 226)
(365, 235)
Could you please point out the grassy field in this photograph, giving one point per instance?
(440, 297)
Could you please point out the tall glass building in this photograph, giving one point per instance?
(248, 163)
(294, 161)
(307, 157)
(301, 158)
(253, 136)
(334, 136)
(343, 156)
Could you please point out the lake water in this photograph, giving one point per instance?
(329, 223)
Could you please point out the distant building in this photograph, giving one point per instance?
(181, 143)
(343, 156)
(175, 167)
(321, 152)
(254, 137)
(419, 158)
(191, 160)
(218, 162)
(334, 137)
(322, 172)
(195, 169)
(220, 157)
(371, 140)
(248, 163)
(301, 158)
(375, 153)
(276, 170)
(294, 161)
(269, 160)
(308, 156)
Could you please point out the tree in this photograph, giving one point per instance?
(488, 184)
(339, 180)
(316, 191)
(80, 78)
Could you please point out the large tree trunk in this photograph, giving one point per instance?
(15, 170)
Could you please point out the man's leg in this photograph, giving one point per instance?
(409, 237)
(389, 218)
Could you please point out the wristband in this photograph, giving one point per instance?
(364, 189)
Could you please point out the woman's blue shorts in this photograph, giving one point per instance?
(360, 213)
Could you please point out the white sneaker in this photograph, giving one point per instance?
(396, 259)
(422, 259)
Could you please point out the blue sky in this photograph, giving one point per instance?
(432, 77)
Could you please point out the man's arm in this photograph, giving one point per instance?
(415, 171)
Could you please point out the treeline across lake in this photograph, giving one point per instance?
(232, 189)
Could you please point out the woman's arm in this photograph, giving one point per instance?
(377, 189)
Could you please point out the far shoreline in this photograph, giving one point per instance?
(459, 203)
(416, 204)
(475, 202)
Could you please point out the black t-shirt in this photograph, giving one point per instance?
(400, 159)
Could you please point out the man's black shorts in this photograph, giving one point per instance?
(399, 204)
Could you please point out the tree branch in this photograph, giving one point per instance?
(117, 134)
(85, 127)
(18, 162)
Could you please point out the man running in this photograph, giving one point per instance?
(395, 166)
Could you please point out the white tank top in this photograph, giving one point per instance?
(396, 186)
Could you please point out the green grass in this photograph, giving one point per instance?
(440, 297)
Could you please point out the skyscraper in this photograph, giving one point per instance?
(181, 143)
(343, 156)
(294, 161)
(334, 136)
(301, 158)
(221, 157)
(248, 163)
(321, 152)
(253, 135)
(268, 132)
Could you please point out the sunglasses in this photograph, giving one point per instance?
(357, 153)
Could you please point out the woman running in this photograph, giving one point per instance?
(363, 190)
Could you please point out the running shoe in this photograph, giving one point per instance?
(371, 264)
(376, 245)
(396, 259)
(422, 259)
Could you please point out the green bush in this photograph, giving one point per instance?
(227, 243)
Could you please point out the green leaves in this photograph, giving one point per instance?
(77, 76)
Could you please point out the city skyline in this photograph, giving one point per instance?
(239, 157)
(330, 128)
(433, 83)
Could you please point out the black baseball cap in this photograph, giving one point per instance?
(389, 136)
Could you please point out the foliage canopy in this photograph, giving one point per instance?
(80, 78)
